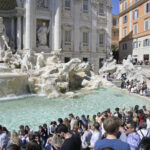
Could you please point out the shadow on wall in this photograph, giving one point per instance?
(126, 46)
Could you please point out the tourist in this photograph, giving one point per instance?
(148, 122)
(14, 139)
(117, 113)
(66, 123)
(96, 135)
(32, 146)
(3, 139)
(84, 120)
(111, 126)
(73, 121)
(21, 131)
(52, 128)
(143, 132)
(56, 141)
(8, 134)
(133, 139)
(72, 142)
(93, 119)
(86, 137)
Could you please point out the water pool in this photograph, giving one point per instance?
(34, 111)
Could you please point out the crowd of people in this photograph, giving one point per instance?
(134, 86)
(121, 130)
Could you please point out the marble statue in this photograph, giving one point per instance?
(42, 35)
(40, 61)
(3, 37)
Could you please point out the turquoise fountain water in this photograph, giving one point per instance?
(34, 111)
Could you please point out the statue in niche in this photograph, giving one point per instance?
(42, 34)
(4, 40)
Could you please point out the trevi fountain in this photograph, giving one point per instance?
(38, 87)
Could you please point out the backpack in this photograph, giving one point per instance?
(145, 138)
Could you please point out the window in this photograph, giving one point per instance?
(67, 4)
(114, 33)
(101, 39)
(135, 14)
(135, 44)
(146, 57)
(146, 24)
(147, 7)
(135, 28)
(101, 9)
(124, 46)
(85, 6)
(125, 32)
(67, 59)
(85, 59)
(125, 5)
(114, 22)
(125, 19)
(67, 37)
(85, 38)
(146, 42)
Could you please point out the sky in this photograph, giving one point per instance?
(115, 9)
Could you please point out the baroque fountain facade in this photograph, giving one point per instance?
(37, 37)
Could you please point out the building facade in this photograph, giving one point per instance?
(115, 30)
(81, 28)
(134, 29)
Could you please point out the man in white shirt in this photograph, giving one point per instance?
(3, 139)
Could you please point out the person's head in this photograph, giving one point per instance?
(144, 107)
(60, 121)
(112, 124)
(108, 110)
(13, 147)
(136, 107)
(84, 127)
(27, 128)
(96, 126)
(83, 117)
(45, 126)
(14, 135)
(117, 109)
(5, 130)
(67, 123)
(32, 146)
(98, 114)
(130, 127)
(71, 116)
(75, 128)
(62, 130)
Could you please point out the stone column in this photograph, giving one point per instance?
(12, 29)
(57, 25)
(29, 20)
(77, 26)
(18, 32)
